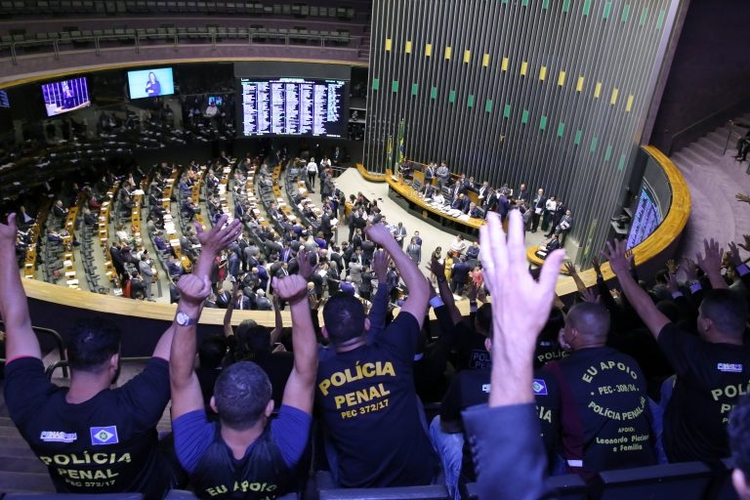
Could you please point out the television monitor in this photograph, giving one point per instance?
(4, 102)
(646, 218)
(216, 100)
(152, 82)
(292, 106)
(66, 95)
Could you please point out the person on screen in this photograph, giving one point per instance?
(68, 100)
(153, 87)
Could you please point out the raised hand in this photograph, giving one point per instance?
(590, 295)
(616, 255)
(436, 267)
(219, 237)
(9, 231)
(743, 197)
(734, 254)
(380, 263)
(690, 269)
(520, 305)
(292, 288)
(672, 266)
(379, 234)
(710, 260)
(746, 245)
(306, 268)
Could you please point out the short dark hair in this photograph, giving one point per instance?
(252, 338)
(241, 394)
(344, 318)
(591, 320)
(483, 320)
(92, 341)
(211, 351)
(727, 309)
(738, 429)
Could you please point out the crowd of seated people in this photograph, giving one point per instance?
(604, 360)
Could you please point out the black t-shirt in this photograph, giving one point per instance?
(605, 414)
(710, 378)
(472, 354)
(472, 387)
(107, 444)
(369, 407)
(546, 351)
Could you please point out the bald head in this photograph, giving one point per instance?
(591, 321)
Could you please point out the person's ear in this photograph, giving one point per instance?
(324, 332)
(740, 484)
(488, 344)
(114, 360)
(367, 324)
(269, 408)
(212, 404)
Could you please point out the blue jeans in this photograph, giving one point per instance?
(450, 449)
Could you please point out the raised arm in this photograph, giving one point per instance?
(379, 309)
(194, 288)
(419, 288)
(438, 269)
(299, 390)
(637, 296)
(227, 324)
(20, 341)
(278, 325)
(216, 240)
(520, 307)
(710, 262)
(505, 438)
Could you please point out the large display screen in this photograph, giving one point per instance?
(292, 106)
(150, 83)
(646, 218)
(66, 95)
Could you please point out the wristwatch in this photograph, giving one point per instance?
(185, 320)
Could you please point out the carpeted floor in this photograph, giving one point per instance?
(714, 178)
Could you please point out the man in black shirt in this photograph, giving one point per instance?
(712, 369)
(605, 412)
(93, 439)
(470, 388)
(365, 391)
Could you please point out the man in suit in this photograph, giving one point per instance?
(456, 189)
(483, 191)
(523, 194)
(400, 233)
(148, 274)
(429, 174)
(443, 175)
(563, 228)
(503, 205)
(461, 202)
(490, 201)
(537, 207)
(459, 276)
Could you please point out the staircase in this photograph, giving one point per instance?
(714, 178)
(20, 470)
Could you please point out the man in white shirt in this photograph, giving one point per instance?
(312, 171)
